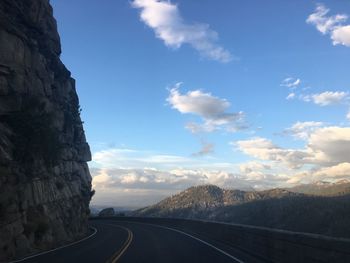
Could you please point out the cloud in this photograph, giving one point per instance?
(302, 130)
(326, 98)
(265, 149)
(165, 19)
(333, 173)
(291, 82)
(126, 158)
(348, 115)
(326, 146)
(207, 148)
(147, 186)
(141, 177)
(332, 25)
(138, 159)
(290, 96)
(252, 166)
(211, 109)
(329, 145)
(341, 35)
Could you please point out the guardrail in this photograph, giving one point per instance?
(270, 245)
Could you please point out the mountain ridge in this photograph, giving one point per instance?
(279, 208)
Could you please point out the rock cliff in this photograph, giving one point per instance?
(45, 184)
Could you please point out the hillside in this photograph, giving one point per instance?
(202, 201)
(321, 188)
(276, 208)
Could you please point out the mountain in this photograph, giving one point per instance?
(302, 213)
(202, 201)
(275, 208)
(321, 188)
(45, 184)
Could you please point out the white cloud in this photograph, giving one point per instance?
(302, 130)
(165, 19)
(326, 98)
(252, 166)
(348, 115)
(122, 175)
(341, 35)
(211, 109)
(332, 25)
(265, 149)
(331, 174)
(291, 82)
(290, 96)
(112, 184)
(338, 170)
(327, 146)
(325, 23)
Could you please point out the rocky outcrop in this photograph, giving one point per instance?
(45, 185)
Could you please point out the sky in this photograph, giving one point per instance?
(241, 94)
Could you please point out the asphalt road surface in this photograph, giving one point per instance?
(134, 242)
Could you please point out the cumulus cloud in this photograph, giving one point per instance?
(121, 173)
(265, 149)
(332, 173)
(325, 147)
(302, 130)
(113, 183)
(330, 145)
(168, 24)
(332, 25)
(291, 82)
(327, 98)
(211, 109)
(341, 35)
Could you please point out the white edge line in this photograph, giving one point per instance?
(49, 251)
(200, 240)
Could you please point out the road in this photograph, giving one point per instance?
(135, 242)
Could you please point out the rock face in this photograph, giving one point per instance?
(45, 184)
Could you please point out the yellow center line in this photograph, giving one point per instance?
(116, 256)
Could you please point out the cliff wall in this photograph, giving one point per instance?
(45, 184)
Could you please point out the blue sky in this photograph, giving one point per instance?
(147, 69)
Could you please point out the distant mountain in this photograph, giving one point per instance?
(202, 201)
(276, 208)
(322, 188)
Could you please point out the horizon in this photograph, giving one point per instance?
(176, 95)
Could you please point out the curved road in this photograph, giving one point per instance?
(129, 242)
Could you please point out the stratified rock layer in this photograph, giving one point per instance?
(45, 184)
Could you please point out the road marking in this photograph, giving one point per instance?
(117, 255)
(200, 240)
(55, 249)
